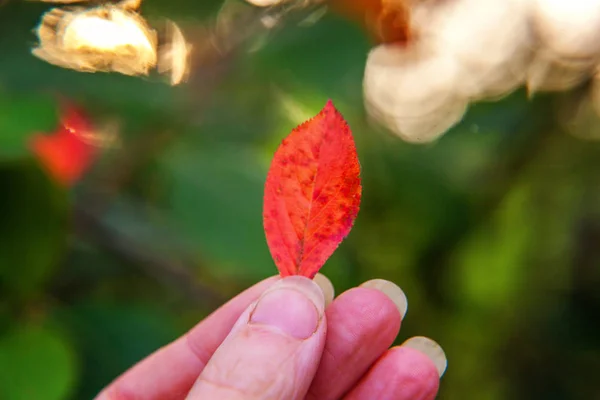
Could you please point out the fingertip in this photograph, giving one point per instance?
(326, 287)
(295, 306)
(305, 286)
(431, 349)
(408, 375)
(392, 291)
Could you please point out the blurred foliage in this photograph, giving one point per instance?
(493, 232)
(34, 354)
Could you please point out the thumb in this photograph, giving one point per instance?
(274, 348)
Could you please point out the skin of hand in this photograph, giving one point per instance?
(289, 339)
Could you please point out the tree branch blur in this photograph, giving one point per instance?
(165, 268)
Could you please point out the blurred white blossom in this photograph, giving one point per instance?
(413, 91)
(490, 40)
(464, 51)
(568, 45)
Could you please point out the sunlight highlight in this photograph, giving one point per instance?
(94, 33)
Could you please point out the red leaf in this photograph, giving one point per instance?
(312, 193)
(66, 153)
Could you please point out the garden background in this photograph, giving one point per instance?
(492, 232)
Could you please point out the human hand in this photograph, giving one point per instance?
(279, 340)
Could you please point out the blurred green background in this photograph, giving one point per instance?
(492, 233)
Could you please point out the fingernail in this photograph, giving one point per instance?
(326, 287)
(294, 305)
(431, 349)
(392, 291)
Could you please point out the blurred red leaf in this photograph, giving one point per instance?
(312, 193)
(387, 21)
(66, 153)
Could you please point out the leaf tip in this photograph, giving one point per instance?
(329, 106)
